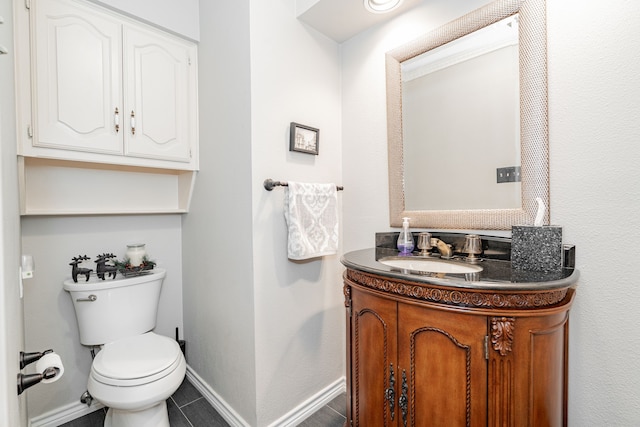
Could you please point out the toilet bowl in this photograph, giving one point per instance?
(136, 370)
(134, 376)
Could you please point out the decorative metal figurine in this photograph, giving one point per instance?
(75, 270)
(103, 269)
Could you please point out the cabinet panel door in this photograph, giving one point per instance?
(441, 353)
(532, 372)
(159, 91)
(373, 354)
(77, 65)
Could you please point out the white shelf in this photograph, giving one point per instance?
(60, 187)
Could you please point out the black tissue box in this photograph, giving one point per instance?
(536, 248)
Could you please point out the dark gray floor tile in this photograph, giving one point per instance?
(176, 417)
(325, 417)
(339, 404)
(201, 414)
(187, 408)
(186, 393)
(94, 419)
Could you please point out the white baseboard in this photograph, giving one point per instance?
(64, 414)
(294, 417)
(291, 419)
(311, 405)
(230, 416)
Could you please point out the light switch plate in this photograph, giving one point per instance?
(508, 174)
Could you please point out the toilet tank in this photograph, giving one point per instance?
(110, 309)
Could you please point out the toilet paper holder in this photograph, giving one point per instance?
(27, 380)
(29, 358)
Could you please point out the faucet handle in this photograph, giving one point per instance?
(424, 243)
(472, 246)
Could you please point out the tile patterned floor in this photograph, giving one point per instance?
(187, 408)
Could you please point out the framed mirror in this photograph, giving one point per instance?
(459, 183)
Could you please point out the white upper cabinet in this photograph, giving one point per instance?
(156, 88)
(77, 65)
(108, 89)
(105, 105)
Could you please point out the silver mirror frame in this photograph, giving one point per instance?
(534, 129)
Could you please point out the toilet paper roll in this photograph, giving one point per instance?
(50, 360)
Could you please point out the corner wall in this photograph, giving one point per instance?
(217, 236)
(299, 306)
(269, 332)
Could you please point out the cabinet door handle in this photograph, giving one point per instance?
(390, 393)
(116, 119)
(403, 402)
(133, 123)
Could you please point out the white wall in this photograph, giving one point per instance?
(268, 332)
(299, 310)
(217, 232)
(177, 16)
(50, 320)
(594, 99)
(12, 408)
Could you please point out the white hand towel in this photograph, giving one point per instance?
(311, 212)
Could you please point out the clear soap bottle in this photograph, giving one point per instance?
(405, 239)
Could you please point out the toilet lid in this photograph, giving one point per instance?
(136, 360)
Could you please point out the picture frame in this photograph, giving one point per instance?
(304, 139)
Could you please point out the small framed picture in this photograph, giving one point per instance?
(304, 139)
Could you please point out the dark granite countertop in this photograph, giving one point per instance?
(495, 274)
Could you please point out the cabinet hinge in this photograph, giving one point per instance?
(29, 131)
(189, 60)
(486, 347)
(27, 4)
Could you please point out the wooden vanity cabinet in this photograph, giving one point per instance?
(414, 361)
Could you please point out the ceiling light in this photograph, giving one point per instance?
(381, 6)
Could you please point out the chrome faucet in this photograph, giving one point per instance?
(446, 251)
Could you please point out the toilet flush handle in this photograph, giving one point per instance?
(90, 298)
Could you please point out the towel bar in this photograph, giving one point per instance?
(270, 184)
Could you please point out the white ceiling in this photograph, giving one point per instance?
(343, 19)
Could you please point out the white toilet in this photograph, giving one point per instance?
(136, 370)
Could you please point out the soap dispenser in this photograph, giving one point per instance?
(405, 239)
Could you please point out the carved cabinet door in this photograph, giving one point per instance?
(373, 360)
(528, 360)
(442, 369)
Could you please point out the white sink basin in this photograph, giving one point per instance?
(430, 265)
